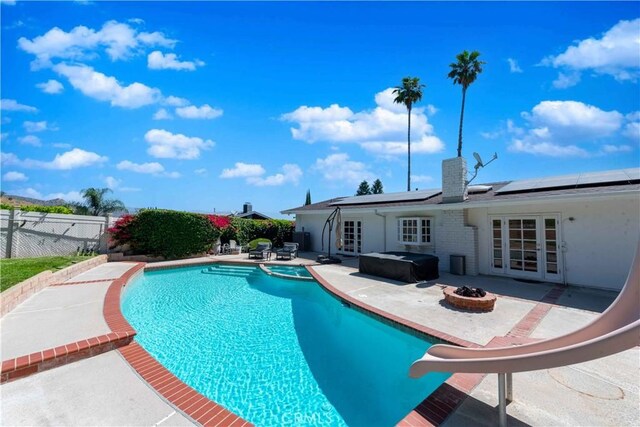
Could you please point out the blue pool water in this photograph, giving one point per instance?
(290, 270)
(276, 351)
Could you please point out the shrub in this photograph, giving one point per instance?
(171, 234)
(120, 233)
(277, 231)
(254, 243)
(38, 208)
(47, 209)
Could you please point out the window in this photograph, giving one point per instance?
(414, 231)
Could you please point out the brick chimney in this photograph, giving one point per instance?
(454, 180)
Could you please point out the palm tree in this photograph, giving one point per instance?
(408, 94)
(95, 204)
(464, 72)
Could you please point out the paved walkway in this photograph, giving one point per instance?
(104, 389)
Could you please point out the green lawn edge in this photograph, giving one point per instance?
(16, 270)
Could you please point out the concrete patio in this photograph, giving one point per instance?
(104, 390)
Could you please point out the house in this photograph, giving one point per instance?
(249, 213)
(577, 229)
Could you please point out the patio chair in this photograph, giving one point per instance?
(262, 251)
(234, 248)
(289, 251)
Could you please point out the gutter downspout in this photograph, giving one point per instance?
(384, 228)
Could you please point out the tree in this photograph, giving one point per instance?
(308, 199)
(464, 72)
(95, 204)
(377, 188)
(363, 189)
(408, 94)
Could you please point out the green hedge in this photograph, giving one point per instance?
(254, 243)
(277, 231)
(171, 234)
(37, 208)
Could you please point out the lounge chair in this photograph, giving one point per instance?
(234, 248)
(289, 251)
(262, 251)
(615, 330)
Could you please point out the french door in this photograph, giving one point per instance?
(527, 246)
(352, 236)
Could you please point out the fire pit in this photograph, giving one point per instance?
(472, 299)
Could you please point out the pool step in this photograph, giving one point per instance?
(232, 270)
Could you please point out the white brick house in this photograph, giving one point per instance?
(580, 230)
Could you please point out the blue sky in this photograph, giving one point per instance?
(205, 105)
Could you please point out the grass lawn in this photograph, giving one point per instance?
(14, 271)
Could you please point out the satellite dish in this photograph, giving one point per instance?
(479, 160)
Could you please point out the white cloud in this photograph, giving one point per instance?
(200, 172)
(119, 40)
(112, 182)
(561, 128)
(175, 101)
(632, 131)
(51, 86)
(30, 140)
(203, 112)
(382, 130)
(164, 144)
(33, 127)
(339, 169)
(513, 66)
(72, 159)
(611, 149)
(13, 105)
(243, 170)
(253, 174)
(162, 114)
(616, 53)
(291, 173)
(151, 168)
(14, 176)
(566, 80)
(105, 88)
(159, 61)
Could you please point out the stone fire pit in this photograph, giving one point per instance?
(479, 304)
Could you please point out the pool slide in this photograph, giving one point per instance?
(615, 330)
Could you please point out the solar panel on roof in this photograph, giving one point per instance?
(575, 180)
(406, 196)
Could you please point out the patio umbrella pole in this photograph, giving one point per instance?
(329, 222)
(502, 400)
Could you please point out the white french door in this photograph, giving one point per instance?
(526, 246)
(352, 236)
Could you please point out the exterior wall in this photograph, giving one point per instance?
(36, 234)
(455, 237)
(599, 242)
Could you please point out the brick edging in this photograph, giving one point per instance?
(386, 317)
(40, 361)
(19, 292)
(197, 406)
(193, 404)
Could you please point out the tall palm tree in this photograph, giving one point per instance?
(464, 72)
(95, 204)
(408, 94)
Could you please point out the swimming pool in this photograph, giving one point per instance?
(290, 270)
(276, 351)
